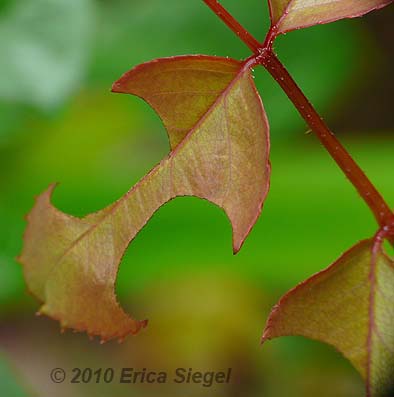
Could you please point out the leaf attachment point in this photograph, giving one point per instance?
(350, 306)
(287, 15)
(219, 138)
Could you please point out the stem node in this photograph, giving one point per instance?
(264, 55)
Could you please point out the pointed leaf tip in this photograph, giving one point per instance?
(287, 15)
(188, 93)
(350, 306)
(219, 138)
(73, 293)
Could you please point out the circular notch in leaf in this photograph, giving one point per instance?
(219, 137)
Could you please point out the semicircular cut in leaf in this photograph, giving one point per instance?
(219, 137)
(287, 15)
(350, 306)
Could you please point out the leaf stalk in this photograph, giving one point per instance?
(265, 56)
(234, 25)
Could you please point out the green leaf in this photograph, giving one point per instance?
(287, 15)
(219, 136)
(350, 306)
(44, 48)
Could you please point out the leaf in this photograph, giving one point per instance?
(287, 15)
(350, 306)
(219, 137)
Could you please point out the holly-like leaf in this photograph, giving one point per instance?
(350, 306)
(219, 137)
(287, 15)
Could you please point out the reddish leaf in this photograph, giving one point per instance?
(219, 138)
(287, 15)
(350, 306)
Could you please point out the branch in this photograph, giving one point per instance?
(351, 169)
(234, 25)
(264, 55)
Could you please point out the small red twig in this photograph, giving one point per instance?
(384, 233)
(351, 169)
(264, 55)
(234, 25)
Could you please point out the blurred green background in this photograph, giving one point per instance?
(207, 308)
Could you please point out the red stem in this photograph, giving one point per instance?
(234, 25)
(265, 56)
(367, 190)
